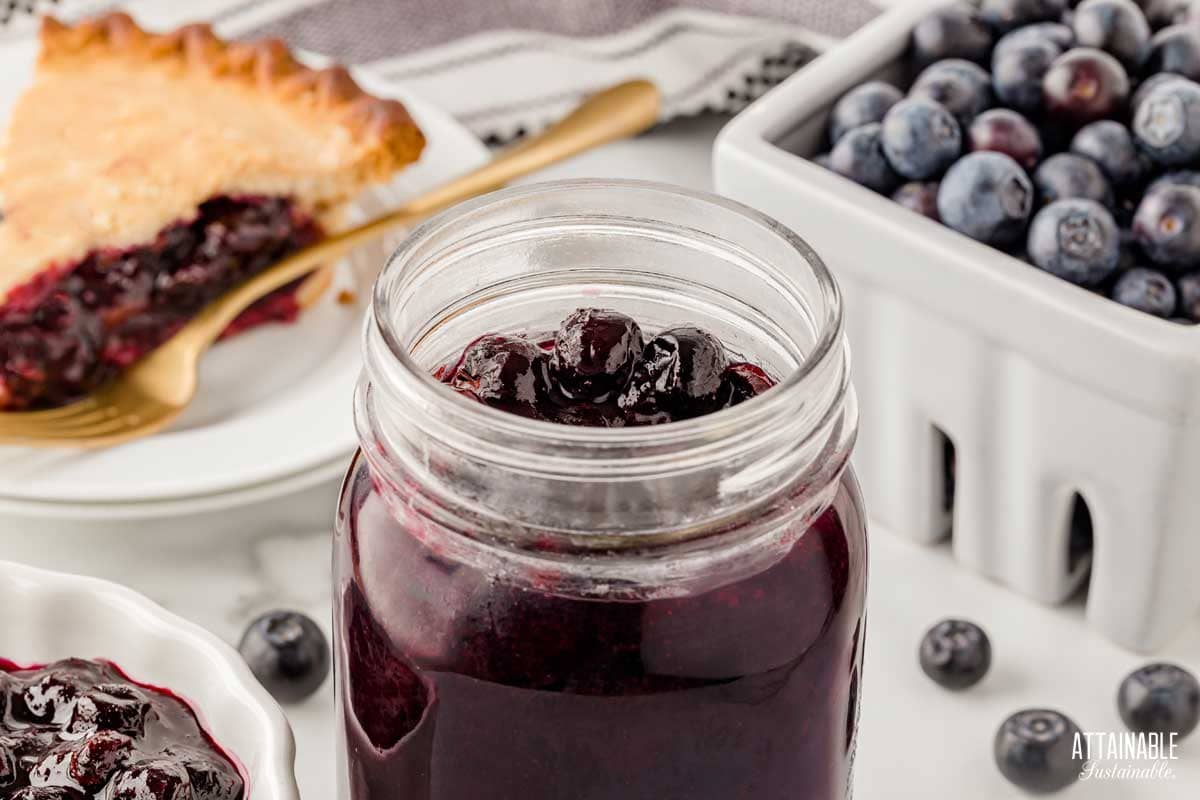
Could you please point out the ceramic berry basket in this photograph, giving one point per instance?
(1046, 392)
(50, 616)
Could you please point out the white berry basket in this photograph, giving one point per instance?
(1047, 392)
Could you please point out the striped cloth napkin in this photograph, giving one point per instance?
(506, 67)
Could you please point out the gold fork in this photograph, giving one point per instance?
(155, 391)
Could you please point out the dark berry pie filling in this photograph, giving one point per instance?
(82, 730)
(74, 327)
(599, 369)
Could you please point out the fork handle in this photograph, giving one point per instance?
(615, 113)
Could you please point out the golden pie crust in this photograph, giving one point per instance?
(124, 132)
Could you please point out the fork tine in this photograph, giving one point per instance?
(107, 433)
(86, 404)
(91, 418)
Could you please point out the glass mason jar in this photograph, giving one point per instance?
(539, 611)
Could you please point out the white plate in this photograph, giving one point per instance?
(273, 403)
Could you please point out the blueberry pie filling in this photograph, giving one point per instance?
(82, 730)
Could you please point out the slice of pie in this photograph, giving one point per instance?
(145, 174)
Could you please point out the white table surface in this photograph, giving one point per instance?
(917, 741)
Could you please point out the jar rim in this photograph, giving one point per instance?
(550, 435)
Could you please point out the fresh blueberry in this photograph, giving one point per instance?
(506, 372)
(288, 654)
(1085, 84)
(1001, 130)
(1177, 50)
(1179, 177)
(962, 87)
(1035, 750)
(918, 197)
(951, 32)
(956, 654)
(679, 376)
(1077, 240)
(1111, 145)
(1146, 290)
(1167, 225)
(1189, 296)
(1115, 26)
(1066, 175)
(859, 156)
(1150, 84)
(988, 197)
(860, 106)
(1018, 71)
(594, 353)
(1004, 15)
(1160, 698)
(1167, 123)
(1161, 13)
(920, 139)
(1055, 33)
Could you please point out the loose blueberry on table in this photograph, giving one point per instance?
(956, 654)
(1096, 101)
(461, 683)
(78, 730)
(1035, 750)
(288, 653)
(1160, 698)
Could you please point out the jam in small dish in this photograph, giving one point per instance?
(82, 730)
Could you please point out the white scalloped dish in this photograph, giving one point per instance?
(50, 616)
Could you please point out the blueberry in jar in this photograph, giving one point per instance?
(594, 353)
(956, 654)
(1001, 130)
(1036, 751)
(859, 156)
(964, 88)
(1004, 15)
(1146, 290)
(1175, 50)
(1077, 240)
(506, 372)
(860, 106)
(918, 197)
(288, 653)
(1160, 698)
(1189, 296)
(1018, 71)
(1167, 123)
(1084, 84)
(1065, 176)
(988, 197)
(1167, 225)
(1115, 26)
(951, 32)
(679, 376)
(1111, 145)
(920, 139)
